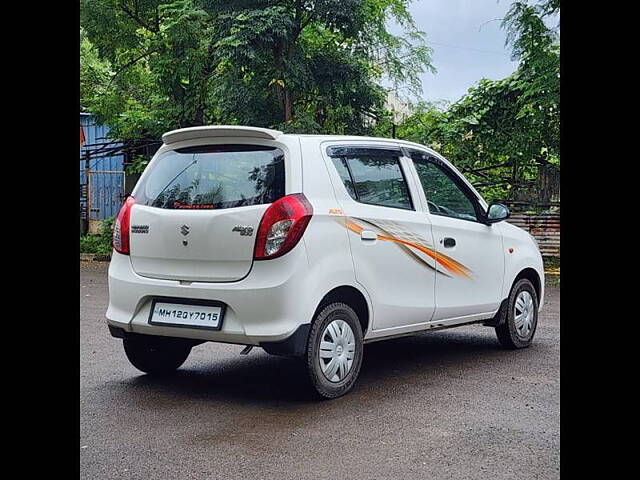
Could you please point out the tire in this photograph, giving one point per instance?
(331, 341)
(514, 334)
(156, 355)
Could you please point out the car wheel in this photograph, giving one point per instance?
(334, 350)
(519, 326)
(156, 355)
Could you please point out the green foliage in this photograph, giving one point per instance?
(106, 228)
(158, 50)
(297, 65)
(148, 66)
(552, 271)
(100, 243)
(137, 164)
(94, 72)
(513, 123)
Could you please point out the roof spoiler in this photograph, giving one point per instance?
(218, 131)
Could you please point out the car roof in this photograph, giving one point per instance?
(359, 138)
(208, 131)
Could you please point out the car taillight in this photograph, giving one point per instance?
(121, 227)
(282, 226)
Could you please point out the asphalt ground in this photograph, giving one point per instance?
(438, 405)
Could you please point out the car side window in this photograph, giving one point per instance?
(373, 176)
(343, 171)
(444, 196)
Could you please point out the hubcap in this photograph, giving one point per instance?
(523, 313)
(337, 349)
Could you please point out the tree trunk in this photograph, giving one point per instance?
(288, 105)
(278, 57)
(514, 180)
(199, 116)
(288, 94)
(285, 96)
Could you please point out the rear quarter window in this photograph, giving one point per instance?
(214, 177)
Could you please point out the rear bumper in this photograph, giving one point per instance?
(117, 332)
(265, 307)
(294, 345)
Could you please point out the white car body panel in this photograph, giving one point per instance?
(477, 294)
(404, 294)
(160, 253)
(479, 248)
(525, 255)
(267, 300)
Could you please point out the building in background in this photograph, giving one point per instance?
(401, 109)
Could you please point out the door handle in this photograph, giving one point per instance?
(448, 242)
(368, 235)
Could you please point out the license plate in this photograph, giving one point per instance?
(192, 315)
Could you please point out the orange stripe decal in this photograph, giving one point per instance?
(354, 227)
(451, 265)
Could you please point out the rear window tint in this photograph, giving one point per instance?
(214, 177)
(372, 176)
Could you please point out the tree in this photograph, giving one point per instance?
(292, 64)
(501, 132)
(161, 69)
(94, 72)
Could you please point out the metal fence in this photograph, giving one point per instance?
(544, 227)
(106, 190)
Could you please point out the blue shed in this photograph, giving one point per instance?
(106, 170)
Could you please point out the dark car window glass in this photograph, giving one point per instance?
(343, 171)
(378, 180)
(214, 177)
(444, 196)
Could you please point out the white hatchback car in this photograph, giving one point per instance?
(310, 246)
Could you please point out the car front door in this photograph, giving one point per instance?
(389, 233)
(470, 253)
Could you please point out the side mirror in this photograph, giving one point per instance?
(497, 212)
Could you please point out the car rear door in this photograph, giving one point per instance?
(196, 211)
(390, 237)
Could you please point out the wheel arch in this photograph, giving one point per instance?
(351, 296)
(530, 267)
(532, 275)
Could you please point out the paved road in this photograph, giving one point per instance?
(439, 405)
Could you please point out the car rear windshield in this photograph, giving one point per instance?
(214, 177)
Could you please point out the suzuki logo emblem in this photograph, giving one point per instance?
(184, 229)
